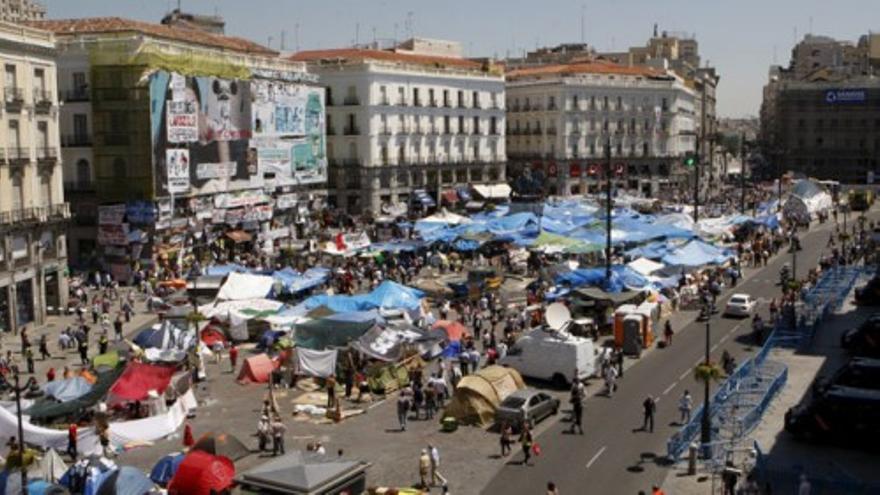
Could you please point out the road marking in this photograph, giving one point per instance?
(376, 404)
(714, 347)
(669, 388)
(724, 338)
(596, 456)
(684, 375)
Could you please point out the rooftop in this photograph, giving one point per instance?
(350, 55)
(98, 25)
(584, 67)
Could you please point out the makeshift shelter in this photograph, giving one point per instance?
(51, 466)
(88, 474)
(303, 473)
(164, 335)
(222, 444)
(455, 331)
(242, 286)
(211, 335)
(323, 333)
(138, 379)
(498, 191)
(47, 409)
(388, 295)
(644, 266)
(697, 253)
(166, 468)
(478, 395)
(124, 434)
(806, 200)
(316, 363)
(126, 480)
(67, 390)
(256, 369)
(446, 217)
(201, 473)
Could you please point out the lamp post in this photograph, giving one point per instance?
(18, 390)
(608, 172)
(742, 173)
(706, 419)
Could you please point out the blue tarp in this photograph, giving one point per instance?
(397, 246)
(293, 282)
(268, 339)
(622, 277)
(67, 390)
(466, 245)
(164, 470)
(653, 250)
(388, 295)
(696, 253)
(126, 480)
(358, 317)
(222, 270)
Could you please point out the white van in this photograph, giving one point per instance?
(552, 356)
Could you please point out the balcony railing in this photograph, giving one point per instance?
(384, 101)
(330, 131)
(352, 131)
(47, 154)
(72, 95)
(351, 101)
(18, 154)
(433, 104)
(551, 131)
(385, 131)
(42, 99)
(74, 140)
(77, 186)
(13, 96)
(112, 94)
(59, 211)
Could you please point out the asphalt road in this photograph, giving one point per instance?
(615, 456)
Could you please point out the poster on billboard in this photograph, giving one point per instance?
(177, 166)
(222, 125)
(279, 108)
(111, 214)
(113, 235)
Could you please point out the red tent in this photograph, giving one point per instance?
(138, 379)
(201, 473)
(257, 369)
(454, 329)
(211, 335)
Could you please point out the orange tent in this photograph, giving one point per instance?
(257, 369)
(454, 329)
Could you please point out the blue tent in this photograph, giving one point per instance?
(164, 470)
(622, 277)
(388, 295)
(69, 389)
(293, 282)
(696, 253)
(157, 336)
(126, 480)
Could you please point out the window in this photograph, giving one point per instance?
(40, 80)
(664, 105)
(14, 137)
(644, 149)
(446, 102)
(461, 124)
(493, 125)
(83, 172)
(446, 124)
(383, 95)
(476, 129)
(11, 80)
(42, 134)
(401, 95)
(431, 100)
(619, 103)
(551, 104)
(17, 192)
(475, 97)
(79, 82)
(605, 103)
(593, 102)
(119, 167)
(461, 99)
(574, 102)
(81, 127)
(416, 100)
(46, 189)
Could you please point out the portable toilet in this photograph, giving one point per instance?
(619, 315)
(633, 334)
(651, 313)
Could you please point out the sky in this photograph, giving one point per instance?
(740, 38)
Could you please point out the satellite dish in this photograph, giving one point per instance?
(557, 316)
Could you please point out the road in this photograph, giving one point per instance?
(614, 455)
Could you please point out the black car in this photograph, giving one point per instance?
(844, 416)
(869, 294)
(859, 372)
(864, 340)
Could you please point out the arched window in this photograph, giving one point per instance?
(83, 172)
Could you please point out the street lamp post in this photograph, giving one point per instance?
(742, 173)
(18, 390)
(608, 172)
(706, 419)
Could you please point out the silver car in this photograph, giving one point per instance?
(527, 406)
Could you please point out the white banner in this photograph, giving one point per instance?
(215, 170)
(177, 164)
(183, 122)
(285, 201)
(111, 214)
(275, 234)
(240, 198)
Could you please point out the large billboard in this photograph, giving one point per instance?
(236, 134)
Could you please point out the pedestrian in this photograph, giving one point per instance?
(667, 333)
(278, 429)
(506, 438)
(424, 468)
(233, 357)
(83, 347)
(44, 348)
(430, 401)
(610, 380)
(50, 375)
(729, 478)
(435, 466)
(263, 432)
(71, 441)
(117, 326)
(650, 407)
(577, 414)
(685, 406)
(526, 441)
(188, 440)
(551, 488)
(331, 392)
(103, 343)
(403, 405)
(29, 358)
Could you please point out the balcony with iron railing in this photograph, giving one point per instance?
(352, 130)
(74, 95)
(18, 154)
(78, 187)
(351, 101)
(385, 130)
(383, 100)
(13, 98)
(47, 154)
(75, 140)
(42, 100)
(37, 214)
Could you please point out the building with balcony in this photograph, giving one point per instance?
(21, 10)
(176, 138)
(33, 214)
(417, 118)
(562, 117)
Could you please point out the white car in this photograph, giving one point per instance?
(740, 305)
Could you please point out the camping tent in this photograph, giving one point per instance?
(477, 396)
(165, 469)
(211, 335)
(138, 379)
(257, 369)
(126, 480)
(697, 253)
(222, 444)
(806, 199)
(201, 473)
(46, 409)
(241, 286)
(297, 472)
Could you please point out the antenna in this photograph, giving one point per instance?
(395, 33)
(178, 6)
(374, 35)
(410, 23)
(269, 44)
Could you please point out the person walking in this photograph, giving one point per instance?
(83, 347)
(650, 407)
(44, 348)
(29, 358)
(424, 468)
(188, 440)
(667, 333)
(278, 429)
(526, 441)
(103, 343)
(435, 466)
(233, 357)
(263, 432)
(551, 488)
(71, 441)
(610, 380)
(331, 392)
(685, 406)
(506, 438)
(117, 327)
(577, 406)
(403, 405)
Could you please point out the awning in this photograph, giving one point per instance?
(424, 198)
(464, 194)
(493, 191)
(239, 236)
(474, 205)
(450, 196)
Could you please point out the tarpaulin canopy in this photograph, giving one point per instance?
(165, 335)
(311, 362)
(324, 333)
(492, 191)
(256, 369)
(67, 390)
(138, 379)
(107, 360)
(644, 266)
(46, 409)
(422, 196)
(388, 294)
(696, 253)
(45, 438)
(297, 472)
(622, 277)
(241, 286)
(386, 343)
(293, 282)
(446, 217)
(124, 434)
(223, 270)
(201, 473)
(126, 480)
(212, 335)
(548, 242)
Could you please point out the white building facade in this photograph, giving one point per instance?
(561, 118)
(33, 214)
(403, 127)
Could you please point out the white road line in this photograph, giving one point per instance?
(724, 338)
(669, 388)
(376, 404)
(714, 347)
(684, 375)
(699, 362)
(596, 456)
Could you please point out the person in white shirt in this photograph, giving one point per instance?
(685, 406)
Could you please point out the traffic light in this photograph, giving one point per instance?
(690, 160)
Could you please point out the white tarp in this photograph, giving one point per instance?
(493, 191)
(239, 286)
(447, 217)
(645, 266)
(239, 310)
(46, 438)
(154, 428)
(316, 363)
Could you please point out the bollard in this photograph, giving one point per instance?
(692, 459)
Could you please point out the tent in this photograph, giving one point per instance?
(138, 379)
(164, 335)
(322, 333)
(268, 339)
(388, 295)
(211, 335)
(293, 282)
(806, 200)
(47, 409)
(222, 444)
(455, 331)
(126, 480)
(124, 434)
(241, 286)
(256, 369)
(644, 266)
(299, 472)
(492, 191)
(91, 472)
(477, 396)
(67, 390)
(166, 468)
(697, 253)
(447, 217)
(201, 473)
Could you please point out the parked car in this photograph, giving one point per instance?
(845, 416)
(740, 305)
(865, 339)
(527, 406)
(859, 372)
(869, 294)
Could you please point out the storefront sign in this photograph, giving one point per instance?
(285, 201)
(240, 198)
(177, 164)
(113, 235)
(840, 96)
(183, 121)
(111, 214)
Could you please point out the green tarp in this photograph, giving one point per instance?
(46, 409)
(326, 333)
(106, 360)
